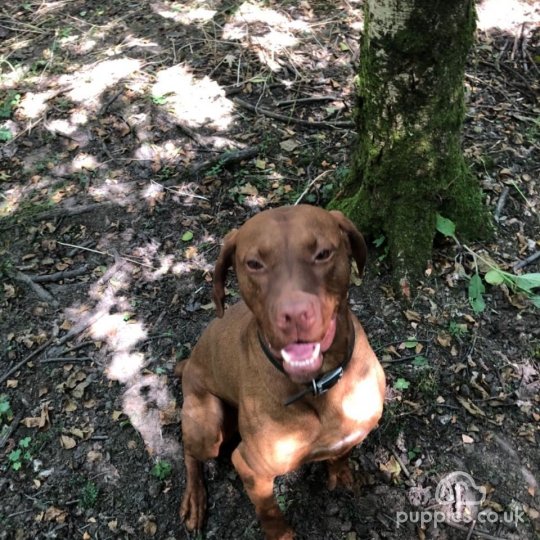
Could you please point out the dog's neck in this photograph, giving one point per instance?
(335, 361)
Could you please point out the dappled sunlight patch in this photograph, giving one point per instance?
(10, 200)
(124, 366)
(65, 128)
(146, 401)
(118, 330)
(194, 102)
(114, 190)
(148, 405)
(83, 162)
(34, 104)
(168, 152)
(181, 13)
(270, 31)
(153, 193)
(508, 15)
(89, 83)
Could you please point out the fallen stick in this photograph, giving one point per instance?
(223, 160)
(57, 276)
(288, 119)
(40, 292)
(530, 259)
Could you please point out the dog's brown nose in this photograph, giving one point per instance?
(296, 315)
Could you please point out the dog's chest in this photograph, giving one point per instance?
(350, 416)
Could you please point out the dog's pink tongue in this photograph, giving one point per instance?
(302, 361)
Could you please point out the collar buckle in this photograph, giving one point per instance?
(322, 385)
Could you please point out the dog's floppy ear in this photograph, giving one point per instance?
(356, 240)
(223, 263)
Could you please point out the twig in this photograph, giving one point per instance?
(501, 203)
(72, 211)
(10, 430)
(530, 259)
(477, 533)
(111, 100)
(179, 192)
(223, 160)
(40, 292)
(401, 464)
(57, 276)
(128, 259)
(289, 119)
(308, 187)
(18, 365)
(312, 99)
(66, 359)
(471, 529)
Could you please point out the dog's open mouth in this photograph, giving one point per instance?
(303, 361)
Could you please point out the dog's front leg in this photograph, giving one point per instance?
(260, 489)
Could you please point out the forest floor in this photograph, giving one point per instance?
(134, 136)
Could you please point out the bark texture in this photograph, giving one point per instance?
(408, 162)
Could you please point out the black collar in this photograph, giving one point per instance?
(317, 386)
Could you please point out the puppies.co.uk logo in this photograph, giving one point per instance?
(458, 500)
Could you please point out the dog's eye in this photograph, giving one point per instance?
(253, 264)
(323, 255)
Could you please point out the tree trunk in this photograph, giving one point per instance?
(408, 163)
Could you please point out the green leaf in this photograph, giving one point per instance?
(420, 361)
(5, 135)
(445, 226)
(411, 344)
(187, 236)
(4, 407)
(535, 300)
(16, 466)
(25, 442)
(527, 282)
(476, 291)
(494, 277)
(15, 455)
(379, 241)
(401, 384)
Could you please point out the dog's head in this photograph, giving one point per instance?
(293, 270)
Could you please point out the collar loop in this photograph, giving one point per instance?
(326, 381)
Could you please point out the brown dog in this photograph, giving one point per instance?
(289, 368)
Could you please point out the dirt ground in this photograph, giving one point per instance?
(134, 135)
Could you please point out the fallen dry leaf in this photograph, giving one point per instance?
(392, 467)
(40, 421)
(68, 442)
(470, 407)
(412, 315)
(55, 514)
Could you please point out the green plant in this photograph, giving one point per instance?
(89, 494)
(159, 100)
(161, 470)
(414, 453)
(21, 454)
(525, 284)
(5, 135)
(8, 104)
(401, 384)
(65, 32)
(457, 329)
(5, 407)
(282, 502)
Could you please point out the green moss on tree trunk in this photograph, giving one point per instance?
(408, 162)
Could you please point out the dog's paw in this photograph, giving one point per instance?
(340, 475)
(193, 507)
